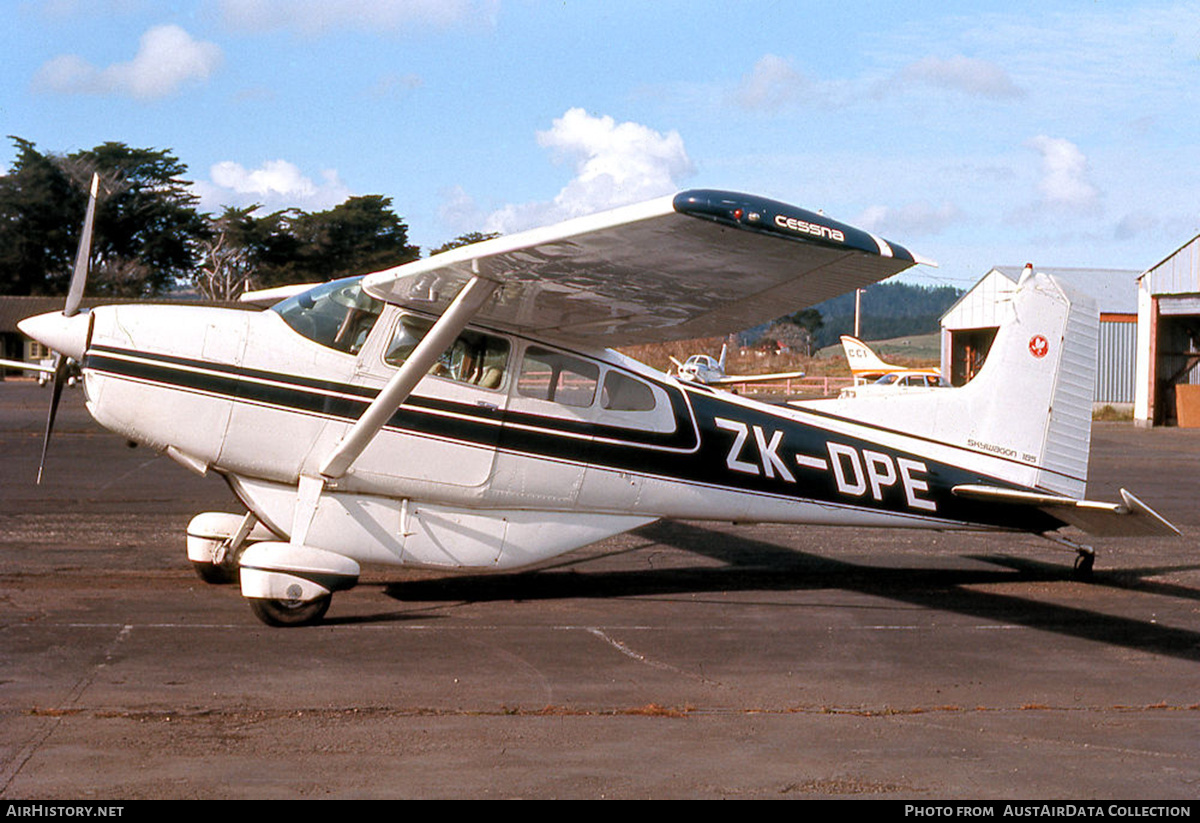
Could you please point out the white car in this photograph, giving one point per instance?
(898, 381)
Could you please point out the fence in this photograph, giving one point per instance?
(819, 386)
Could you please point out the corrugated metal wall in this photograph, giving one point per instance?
(1178, 274)
(1117, 362)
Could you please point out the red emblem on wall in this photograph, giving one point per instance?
(1038, 346)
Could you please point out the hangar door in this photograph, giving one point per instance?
(1176, 367)
(968, 351)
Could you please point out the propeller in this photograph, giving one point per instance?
(63, 363)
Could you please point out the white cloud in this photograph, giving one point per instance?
(459, 211)
(276, 184)
(167, 58)
(1064, 180)
(615, 164)
(392, 85)
(977, 78)
(911, 220)
(772, 84)
(318, 16)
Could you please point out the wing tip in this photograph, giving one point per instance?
(754, 213)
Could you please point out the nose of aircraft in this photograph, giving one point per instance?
(66, 335)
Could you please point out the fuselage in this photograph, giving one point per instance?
(504, 424)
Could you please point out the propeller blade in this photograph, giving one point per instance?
(62, 366)
(79, 276)
(62, 363)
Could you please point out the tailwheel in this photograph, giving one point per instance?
(284, 613)
(1084, 562)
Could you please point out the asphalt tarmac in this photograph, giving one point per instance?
(682, 660)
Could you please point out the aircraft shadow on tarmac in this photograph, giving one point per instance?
(755, 565)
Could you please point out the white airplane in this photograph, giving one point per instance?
(466, 410)
(710, 371)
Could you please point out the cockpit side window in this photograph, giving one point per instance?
(475, 358)
(338, 314)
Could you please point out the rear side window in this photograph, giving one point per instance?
(622, 393)
(557, 377)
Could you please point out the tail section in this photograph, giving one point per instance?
(862, 360)
(1027, 414)
(1034, 393)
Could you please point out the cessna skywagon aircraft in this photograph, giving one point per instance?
(467, 410)
(702, 368)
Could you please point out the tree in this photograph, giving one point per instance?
(225, 266)
(149, 224)
(788, 336)
(359, 236)
(465, 240)
(36, 241)
(147, 230)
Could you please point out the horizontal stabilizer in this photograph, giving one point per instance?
(1131, 518)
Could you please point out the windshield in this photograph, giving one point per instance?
(337, 314)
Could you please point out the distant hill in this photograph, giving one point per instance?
(889, 310)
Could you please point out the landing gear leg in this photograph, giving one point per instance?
(218, 562)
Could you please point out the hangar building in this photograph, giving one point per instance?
(1168, 345)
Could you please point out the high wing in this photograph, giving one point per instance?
(271, 296)
(699, 264)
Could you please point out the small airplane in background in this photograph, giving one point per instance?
(469, 410)
(874, 376)
(868, 367)
(709, 371)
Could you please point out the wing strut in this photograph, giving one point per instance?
(440, 336)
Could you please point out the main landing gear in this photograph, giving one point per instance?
(215, 541)
(284, 613)
(291, 585)
(286, 584)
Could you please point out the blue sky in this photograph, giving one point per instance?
(1066, 134)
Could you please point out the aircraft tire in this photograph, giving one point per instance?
(214, 573)
(285, 613)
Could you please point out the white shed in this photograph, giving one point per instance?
(1168, 345)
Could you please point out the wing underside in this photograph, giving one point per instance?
(699, 264)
